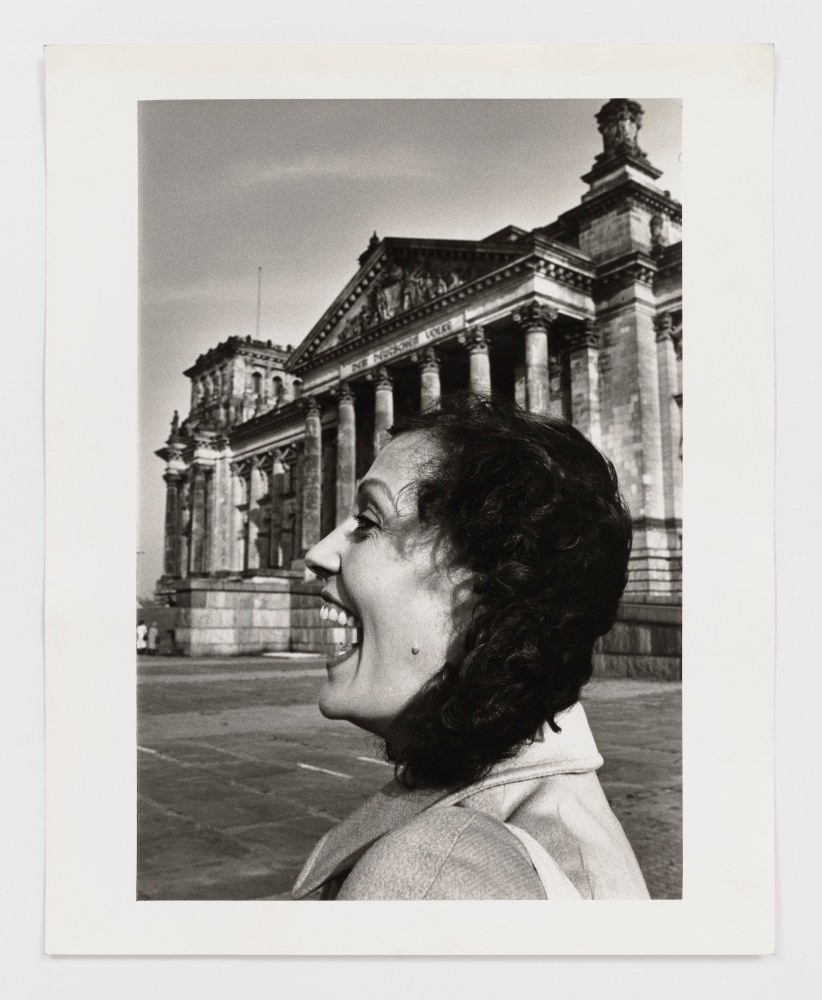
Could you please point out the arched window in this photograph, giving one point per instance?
(256, 383)
(277, 387)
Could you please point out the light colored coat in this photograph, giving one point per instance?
(436, 844)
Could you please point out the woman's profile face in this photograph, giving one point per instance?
(380, 568)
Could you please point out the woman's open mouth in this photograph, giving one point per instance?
(346, 630)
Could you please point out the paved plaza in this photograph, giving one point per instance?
(239, 774)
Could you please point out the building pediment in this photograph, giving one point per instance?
(400, 276)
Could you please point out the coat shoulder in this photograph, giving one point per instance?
(445, 853)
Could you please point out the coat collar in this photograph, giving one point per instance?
(571, 751)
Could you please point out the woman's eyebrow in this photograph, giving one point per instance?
(373, 484)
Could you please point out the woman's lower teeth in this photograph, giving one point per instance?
(345, 637)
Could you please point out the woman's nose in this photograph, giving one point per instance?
(323, 559)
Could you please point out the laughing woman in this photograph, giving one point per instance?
(486, 551)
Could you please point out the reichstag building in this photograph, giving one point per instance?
(580, 318)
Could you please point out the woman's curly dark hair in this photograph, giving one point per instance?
(533, 510)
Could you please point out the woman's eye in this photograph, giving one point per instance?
(365, 524)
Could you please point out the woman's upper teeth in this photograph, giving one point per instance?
(337, 615)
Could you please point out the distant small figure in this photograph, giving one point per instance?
(152, 637)
(142, 637)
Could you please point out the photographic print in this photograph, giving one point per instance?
(315, 276)
(389, 427)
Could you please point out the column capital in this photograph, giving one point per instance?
(427, 359)
(345, 393)
(474, 340)
(172, 476)
(382, 379)
(311, 406)
(536, 314)
(584, 336)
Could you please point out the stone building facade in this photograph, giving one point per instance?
(581, 318)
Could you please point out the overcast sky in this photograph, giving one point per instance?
(297, 187)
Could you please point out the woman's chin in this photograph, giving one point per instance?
(335, 694)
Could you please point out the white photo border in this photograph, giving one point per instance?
(728, 612)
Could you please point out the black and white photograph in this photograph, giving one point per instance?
(369, 465)
(410, 542)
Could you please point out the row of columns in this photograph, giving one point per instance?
(535, 319)
(186, 537)
(187, 521)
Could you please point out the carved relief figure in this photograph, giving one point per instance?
(657, 231)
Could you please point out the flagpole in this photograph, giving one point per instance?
(259, 297)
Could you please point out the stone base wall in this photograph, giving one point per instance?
(236, 617)
(280, 613)
(645, 642)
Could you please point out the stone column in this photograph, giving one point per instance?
(346, 453)
(669, 414)
(237, 540)
(172, 524)
(383, 410)
(199, 519)
(583, 352)
(520, 397)
(219, 510)
(429, 379)
(479, 377)
(535, 320)
(275, 540)
(311, 476)
(184, 532)
(256, 490)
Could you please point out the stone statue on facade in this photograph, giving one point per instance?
(657, 225)
(619, 123)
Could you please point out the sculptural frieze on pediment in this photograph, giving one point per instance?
(402, 286)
